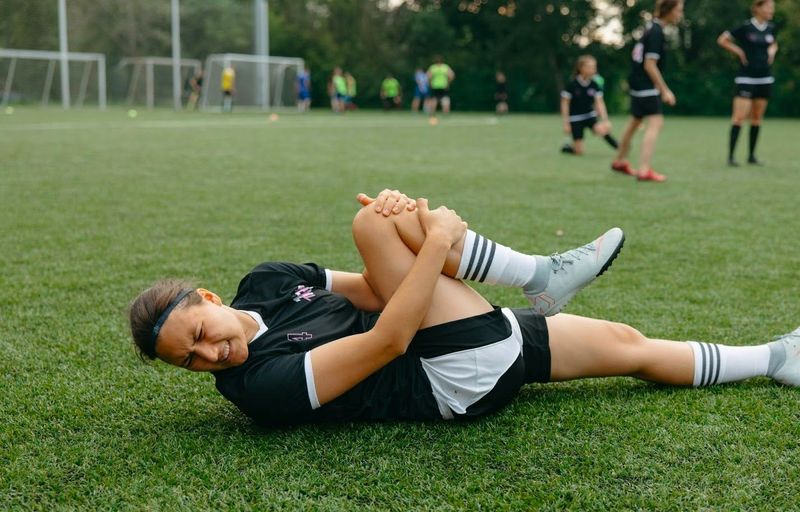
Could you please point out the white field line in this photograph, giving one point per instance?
(257, 123)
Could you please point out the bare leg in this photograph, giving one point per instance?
(654, 124)
(627, 137)
(756, 116)
(446, 105)
(583, 347)
(388, 259)
(741, 109)
(577, 146)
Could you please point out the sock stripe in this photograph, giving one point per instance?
(719, 363)
(704, 357)
(478, 267)
(488, 261)
(475, 243)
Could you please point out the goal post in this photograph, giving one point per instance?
(262, 82)
(148, 80)
(27, 76)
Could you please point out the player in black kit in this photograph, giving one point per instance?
(581, 104)
(647, 90)
(407, 338)
(755, 45)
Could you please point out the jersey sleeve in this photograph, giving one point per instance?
(653, 43)
(279, 390)
(738, 34)
(567, 91)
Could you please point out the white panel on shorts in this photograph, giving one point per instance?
(583, 117)
(645, 93)
(460, 379)
(312, 388)
(746, 80)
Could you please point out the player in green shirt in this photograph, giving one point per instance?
(339, 90)
(440, 76)
(390, 93)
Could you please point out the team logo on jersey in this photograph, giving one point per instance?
(769, 39)
(303, 292)
(299, 336)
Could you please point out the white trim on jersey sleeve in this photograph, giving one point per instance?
(565, 94)
(312, 388)
(328, 279)
(652, 55)
(598, 94)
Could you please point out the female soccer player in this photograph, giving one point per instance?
(755, 45)
(648, 89)
(581, 102)
(407, 338)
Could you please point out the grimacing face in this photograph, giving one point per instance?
(209, 336)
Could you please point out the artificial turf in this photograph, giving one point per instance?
(97, 206)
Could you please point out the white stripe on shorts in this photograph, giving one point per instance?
(460, 379)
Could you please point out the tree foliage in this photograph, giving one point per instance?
(534, 41)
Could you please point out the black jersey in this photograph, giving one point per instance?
(651, 46)
(275, 386)
(755, 39)
(581, 94)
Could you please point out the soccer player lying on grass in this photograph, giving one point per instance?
(408, 338)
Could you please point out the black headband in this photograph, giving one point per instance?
(151, 345)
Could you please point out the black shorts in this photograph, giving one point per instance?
(579, 126)
(528, 340)
(754, 91)
(439, 93)
(643, 106)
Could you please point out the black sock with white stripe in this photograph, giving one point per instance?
(486, 261)
(718, 364)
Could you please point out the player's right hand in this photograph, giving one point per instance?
(669, 98)
(742, 57)
(388, 202)
(441, 222)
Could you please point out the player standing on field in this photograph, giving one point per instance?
(755, 45)
(228, 85)
(303, 90)
(421, 90)
(648, 89)
(581, 103)
(440, 75)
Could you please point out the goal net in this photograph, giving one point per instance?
(148, 80)
(34, 77)
(261, 82)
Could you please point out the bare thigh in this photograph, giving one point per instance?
(388, 260)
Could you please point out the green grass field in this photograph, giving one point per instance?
(96, 206)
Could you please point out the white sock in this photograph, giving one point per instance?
(486, 261)
(717, 364)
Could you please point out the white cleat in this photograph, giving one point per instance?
(789, 372)
(572, 271)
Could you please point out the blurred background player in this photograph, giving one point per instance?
(421, 90)
(338, 90)
(228, 85)
(648, 89)
(440, 76)
(581, 103)
(303, 87)
(195, 88)
(390, 93)
(500, 93)
(352, 90)
(755, 45)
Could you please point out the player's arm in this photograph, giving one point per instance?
(356, 289)
(451, 75)
(651, 68)
(771, 51)
(726, 41)
(565, 101)
(600, 107)
(341, 364)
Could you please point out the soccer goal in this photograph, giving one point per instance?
(149, 79)
(27, 77)
(263, 82)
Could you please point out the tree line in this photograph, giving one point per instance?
(535, 42)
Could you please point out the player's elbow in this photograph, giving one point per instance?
(722, 40)
(395, 341)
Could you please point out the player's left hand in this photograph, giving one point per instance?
(388, 202)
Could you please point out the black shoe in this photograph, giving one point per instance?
(732, 163)
(566, 148)
(754, 161)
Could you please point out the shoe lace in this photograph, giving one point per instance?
(559, 261)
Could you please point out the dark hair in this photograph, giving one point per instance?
(583, 59)
(664, 7)
(758, 3)
(145, 310)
